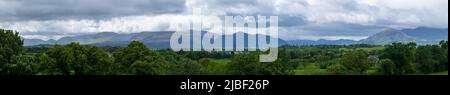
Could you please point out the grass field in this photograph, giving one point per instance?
(311, 72)
(221, 61)
(220, 68)
(440, 73)
(373, 48)
(366, 49)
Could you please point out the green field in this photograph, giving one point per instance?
(311, 72)
(440, 73)
(372, 48)
(219, 66)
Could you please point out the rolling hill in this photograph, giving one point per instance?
(386, 37)
(420, 35)
(159, 39)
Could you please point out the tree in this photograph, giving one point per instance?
(152, 66)
(75, 59)
(444, 60)
(11, 46)
(181, 65)
(425, 60)
(432, 58)
(135, 51)
(136, 58)
(386, 67)
(355, 62)
(211, 67)
(23, 65)
(46, 65)
(244, 64)
(63, 57)
(337, 69)
(280, 67)
(402, 55)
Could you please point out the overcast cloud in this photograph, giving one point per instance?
(299, 19)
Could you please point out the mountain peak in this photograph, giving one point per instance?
(420, 35)
(386, 37)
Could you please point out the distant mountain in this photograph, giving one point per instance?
(425, 34)
(320, 42)
(246, 39)
(32, 42)
(151, 39)
(387, 37)
(95, 38)
(421, 35)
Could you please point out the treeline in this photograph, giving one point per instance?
(137, 59)
(134, 59)
(393, 59)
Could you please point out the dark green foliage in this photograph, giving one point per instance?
(248, 64)
(75, 59)
(180, 65)
(23, 65)
(337, 69)
(387, 67)
(432, 58)
(407, 58)
(444, 61)
(137, 59)
(402, 55)
(354, 62)
(425, 61)
(11, 47)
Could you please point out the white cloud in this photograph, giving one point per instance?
(406, 13)
(127, 24)
(321, 13)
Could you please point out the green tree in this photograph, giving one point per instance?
(425, 61)
(402, 55)
(244, 64)
(181, 65)
(136, 58)
(386, 67)
(337, 69)
(23, 65)
(355, 62)
(11, 46)
(444, 60)
(152, 66)
(46, 65)
(211, 67)
(76, 59)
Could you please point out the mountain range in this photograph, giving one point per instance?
(161, 39)
(421, 35)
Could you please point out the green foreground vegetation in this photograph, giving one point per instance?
(440, 73)
(137, 59)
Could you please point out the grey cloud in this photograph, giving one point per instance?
(85, 9)
(298, 19)
(332, 31)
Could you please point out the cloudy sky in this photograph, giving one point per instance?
(299, 19)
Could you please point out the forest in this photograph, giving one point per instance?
(137, 59)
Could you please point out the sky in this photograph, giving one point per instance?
(298, 19)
